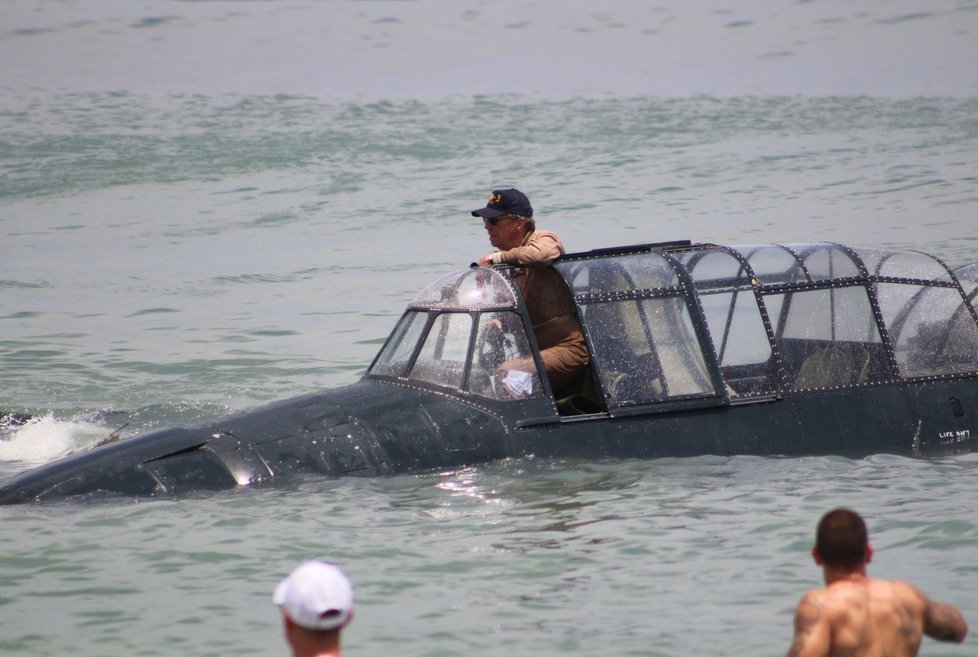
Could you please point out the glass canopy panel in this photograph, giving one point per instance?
(740, 339)
(837, 314)
(680, 353)
(474, 288)
(827, 262)
(502, 363)
(646, 350)
(442, 357)
(932, 329)
(734, 320)
(616, 274)
(773, 264)
(968, 277)
(902, 264)
(714, 268)
(396, 354)
(829, 338)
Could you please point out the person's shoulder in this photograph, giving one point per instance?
(895, 591)
(905, 590)
(830, 599)
(547, 237)
(814, 597)
(544, 234)
(815, 609)
(896, 587)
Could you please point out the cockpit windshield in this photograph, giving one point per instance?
(475, 288)
(464, 332)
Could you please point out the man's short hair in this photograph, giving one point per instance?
(841, 539)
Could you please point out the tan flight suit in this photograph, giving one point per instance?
(550, 306)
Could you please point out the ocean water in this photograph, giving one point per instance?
(211, 205)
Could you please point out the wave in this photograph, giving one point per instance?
(39, 439)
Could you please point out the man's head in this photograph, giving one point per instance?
(316, 596)
(841, 541)
(507, 217)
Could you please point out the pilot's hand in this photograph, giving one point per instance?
(485, 260)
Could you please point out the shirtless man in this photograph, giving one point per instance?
(855, 616)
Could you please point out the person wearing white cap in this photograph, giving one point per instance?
(316, 601)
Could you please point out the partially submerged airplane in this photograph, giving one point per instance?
(695, 349)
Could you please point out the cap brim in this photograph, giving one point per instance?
(488, 213)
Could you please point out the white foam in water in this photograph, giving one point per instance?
(46, 438)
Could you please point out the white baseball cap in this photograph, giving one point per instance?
(316, 595)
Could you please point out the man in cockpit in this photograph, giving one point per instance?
(508, 219)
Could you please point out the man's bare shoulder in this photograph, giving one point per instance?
(815, 597)
(812, 627)
(898, 590)
(941, 620)
(838, 595)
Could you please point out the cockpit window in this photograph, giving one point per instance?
(828, 337)
(617, 274)
(396, 355)
(442, 357)
(638, 323)
(785, 264)
(931, 325)
(646, 350)
(968, 277)
(773, 264)
(903, 264)
(826, 262)
(932, 329)
(733, 315)
(497, 356)
(502, 362)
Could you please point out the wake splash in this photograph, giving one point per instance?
(44, 438)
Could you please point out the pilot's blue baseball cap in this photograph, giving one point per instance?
(504, 202)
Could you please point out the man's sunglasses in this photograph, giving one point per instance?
(495, 220)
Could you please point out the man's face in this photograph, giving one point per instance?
(505, 232)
